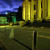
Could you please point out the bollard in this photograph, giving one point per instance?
(34, 40)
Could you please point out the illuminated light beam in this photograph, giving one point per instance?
(48, 37)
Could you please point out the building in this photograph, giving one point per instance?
(36, 10)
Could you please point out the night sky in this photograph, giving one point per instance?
(10, 5)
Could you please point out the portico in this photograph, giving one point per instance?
(42, 11)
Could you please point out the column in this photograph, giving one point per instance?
(38, 10)
(24, 12)
(44, 8)
(32, 11)
(29, 12)
(48, 9)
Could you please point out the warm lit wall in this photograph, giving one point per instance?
(49, 8)
(28, 12)
(45, 10)
(23, 12)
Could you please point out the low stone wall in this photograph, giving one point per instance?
(22, 23)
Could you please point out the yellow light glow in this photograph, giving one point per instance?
(24, 12)
(28, 12)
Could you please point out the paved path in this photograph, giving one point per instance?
(23, 37)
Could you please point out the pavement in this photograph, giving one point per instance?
(20, 38)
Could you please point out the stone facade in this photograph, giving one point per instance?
(36, 10)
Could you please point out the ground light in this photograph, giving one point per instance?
(11, 33)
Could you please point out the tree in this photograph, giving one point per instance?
(20, 13)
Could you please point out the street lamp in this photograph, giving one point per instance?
(6, 13)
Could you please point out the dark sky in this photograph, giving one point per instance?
(9, 5)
